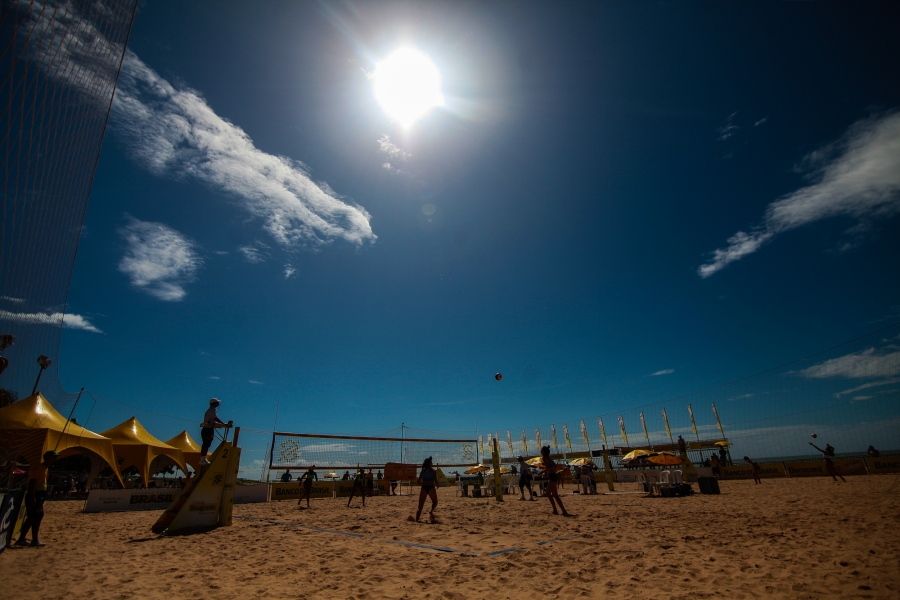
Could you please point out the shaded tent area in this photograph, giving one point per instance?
(31, 426)
(136, 447)
(189, 449)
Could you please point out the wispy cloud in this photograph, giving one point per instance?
(663, 372)
(214, 377)
(173, 131)
(858, 365)
(254, 382)
(288, 271)
(857, 177)
(253, 254)
(741, 397)
(393, 153)
(158, 259)
(761, 121)
(69, 321)
(14, 300)
(728, 128)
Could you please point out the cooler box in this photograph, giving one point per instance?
(708, 485)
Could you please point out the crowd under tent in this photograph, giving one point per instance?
(137, 448)
(31, 427)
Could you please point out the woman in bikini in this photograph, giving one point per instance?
(552, 477)
(428, 481)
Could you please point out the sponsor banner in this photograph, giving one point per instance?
(10, 507)
(293, 490)
(342, 488)
(246, 494)
(853, 466)
(884, 464)
(746, 471)
(117, 500)
(400, 472)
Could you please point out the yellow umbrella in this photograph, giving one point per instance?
(665, 458)
(580, 462)
(723, 444)
(477, 469)
(502, 471)
(635, 454)
(537, 461)
(332, 476)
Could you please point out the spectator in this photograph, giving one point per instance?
(714, 463)
(871, 451)
(682, 446)
(286, 476)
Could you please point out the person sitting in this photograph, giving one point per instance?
(286, 476)
(871, 451)
(346, 476)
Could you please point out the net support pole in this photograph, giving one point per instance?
(607, 467)
(498, 484)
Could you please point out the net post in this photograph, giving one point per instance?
(498, 485)
(607, 467)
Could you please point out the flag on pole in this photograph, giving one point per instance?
(509, 441)
(602, 431)
(553, 436)
(666, 421)
(524, 442)
(644, 425)
(537, 437)
(718, 422)
(622, 429)
(481, 444)
(566, 434)
(584, 435)
(693, 424)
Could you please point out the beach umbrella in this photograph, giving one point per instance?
(537, 461)
(635, 454)
(665, 458)
(332, 476)
(502, 471)
(723, 444)
(477, 469)
(580, 462)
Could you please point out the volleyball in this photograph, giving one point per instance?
(814, 436)
(498, 376)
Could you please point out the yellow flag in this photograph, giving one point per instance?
(666, 421)
(509, 441)
(481, 444)
(602, 431)
(644, 425)
(537, 438)
(622, 429)
(693, 424)
(584, 434)
(718, 422)
(524, 442)
(553, 436)
(566, 435)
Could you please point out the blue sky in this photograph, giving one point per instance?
(616, 205)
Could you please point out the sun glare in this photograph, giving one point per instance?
(407, 85)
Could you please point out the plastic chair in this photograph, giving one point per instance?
(664, 478)
(460, 491)
(677, 476)
(652, 482)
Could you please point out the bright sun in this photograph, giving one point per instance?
(407, 85)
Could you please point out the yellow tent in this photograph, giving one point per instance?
(31, 426)
(189, 448)
(137, 448)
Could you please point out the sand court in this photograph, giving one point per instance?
(801, 538)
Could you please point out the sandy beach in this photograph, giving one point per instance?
(790, 538)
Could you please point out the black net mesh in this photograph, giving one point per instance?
(60, 62)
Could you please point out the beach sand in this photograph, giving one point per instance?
(787, 538)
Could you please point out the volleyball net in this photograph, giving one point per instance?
(300, 450)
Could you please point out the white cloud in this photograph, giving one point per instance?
(859, 177)
(288, 271)
(761, 121)
(214, 377)
(254, 382)
(252, 254)
(728, 128)
(741, 397)
(174, 131)
(69, 321)
(393, 152)
(14, 300)
(858, 365)
(663, 372)
(158, 259)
